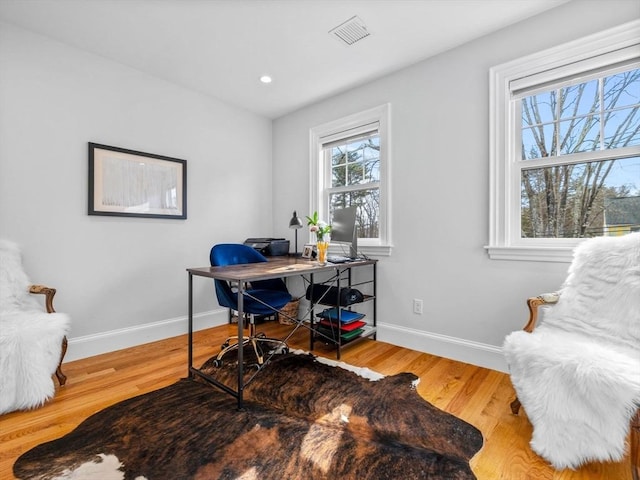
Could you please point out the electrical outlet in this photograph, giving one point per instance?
(417, 306)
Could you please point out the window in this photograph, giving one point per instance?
(354, 179)
(350, 166)
(565, 146)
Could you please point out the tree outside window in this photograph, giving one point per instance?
(570, 198)
(355, 180)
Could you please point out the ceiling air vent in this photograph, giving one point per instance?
(350, 31)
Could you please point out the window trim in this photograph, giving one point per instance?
(504, 203)
(380, 115)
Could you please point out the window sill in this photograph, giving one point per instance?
(531, 254)
(368, 250)
(376, 250)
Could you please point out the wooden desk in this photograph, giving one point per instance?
(276, 267)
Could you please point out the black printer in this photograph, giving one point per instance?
(271, 247)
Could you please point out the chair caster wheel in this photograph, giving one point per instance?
(217, 363)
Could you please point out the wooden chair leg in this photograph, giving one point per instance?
(62, 378)
(635, 446)
(515, 406)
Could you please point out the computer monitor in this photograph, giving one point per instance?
(343, 229)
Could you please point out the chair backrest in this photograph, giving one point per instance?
(601, 295)
(225, 254)
(14, 283)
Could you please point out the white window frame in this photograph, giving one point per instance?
(318, 200)
(505, 242)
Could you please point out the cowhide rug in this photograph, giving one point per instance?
(303, 419)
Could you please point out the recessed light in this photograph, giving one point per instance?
(266, 79)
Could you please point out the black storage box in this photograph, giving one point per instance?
(328, 295)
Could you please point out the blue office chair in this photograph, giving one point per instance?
(262, 298)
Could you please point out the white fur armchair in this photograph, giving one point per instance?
(32, 341)
(577, 374)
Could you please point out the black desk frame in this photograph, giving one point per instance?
(242, 275)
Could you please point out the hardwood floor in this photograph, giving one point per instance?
(477, 395)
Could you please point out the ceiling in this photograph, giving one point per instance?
(222, 47)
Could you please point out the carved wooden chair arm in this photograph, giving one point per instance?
(48, 292)
(534, 303)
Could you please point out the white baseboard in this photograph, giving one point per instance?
(475, 353)
(103, 342)
(481, 354)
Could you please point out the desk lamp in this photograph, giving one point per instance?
(296, 224)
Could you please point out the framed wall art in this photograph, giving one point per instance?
(127, 183)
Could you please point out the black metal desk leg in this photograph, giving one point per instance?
(190, 361)
(375, 301)
(311, 317)
(241, 288)
(339, 339)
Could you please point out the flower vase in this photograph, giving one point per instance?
(323, 247)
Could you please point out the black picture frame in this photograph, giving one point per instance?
(129, 183)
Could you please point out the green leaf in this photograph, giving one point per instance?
(313, 220)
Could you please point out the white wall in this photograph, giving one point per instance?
(122, 280)
(440, 184)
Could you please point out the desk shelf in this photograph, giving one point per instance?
(329, 328)
(330, 338)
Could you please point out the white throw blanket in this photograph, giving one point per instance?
(30, 338)
(578, 374)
